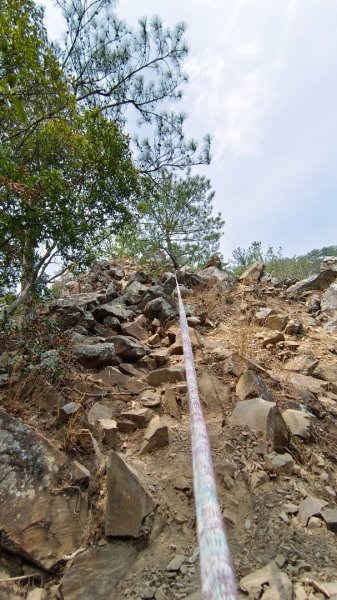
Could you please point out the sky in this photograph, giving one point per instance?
(263, 84)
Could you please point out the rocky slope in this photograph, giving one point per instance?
(96, 489)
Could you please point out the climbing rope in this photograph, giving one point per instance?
(217, 575)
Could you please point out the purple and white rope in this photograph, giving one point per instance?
(217, 575)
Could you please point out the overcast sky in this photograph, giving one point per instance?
(263, 83)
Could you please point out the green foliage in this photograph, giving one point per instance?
(276, 264)
(71, 180)
(67, 179)
(176, 222)
(131, 74)
(32, 86)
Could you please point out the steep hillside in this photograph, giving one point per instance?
(96, 486)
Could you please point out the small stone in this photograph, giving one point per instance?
(148, 593)
(315, 523)
(310, 507)
(99, 411)
(140, 416)
(69, 411)
(171, 404)
(294, 327)
(258, 478)
(37, 594)
(134, 330)
(176, 562)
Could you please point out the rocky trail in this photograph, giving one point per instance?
(96, 486)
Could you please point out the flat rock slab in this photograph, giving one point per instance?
(36, 522)
(97, 571)
(128, 503)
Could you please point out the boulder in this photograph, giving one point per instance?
(114, 309)
(128, 503)
(329, 516)
(251, 385)
(128, 348)
(309, 507)
(253, 273)
(169, 283)
(92, 356)
(82, 301)
(160, 355)
(36, 521)
(260, 415)
(212, 390)
(95, 573)
(156, 435)
(329, 263)
(298, 422)
(213, 273)
(134, 292)
(166, 375)
(279, 464)
(159, 308)
(321, 281)
(329, 300)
